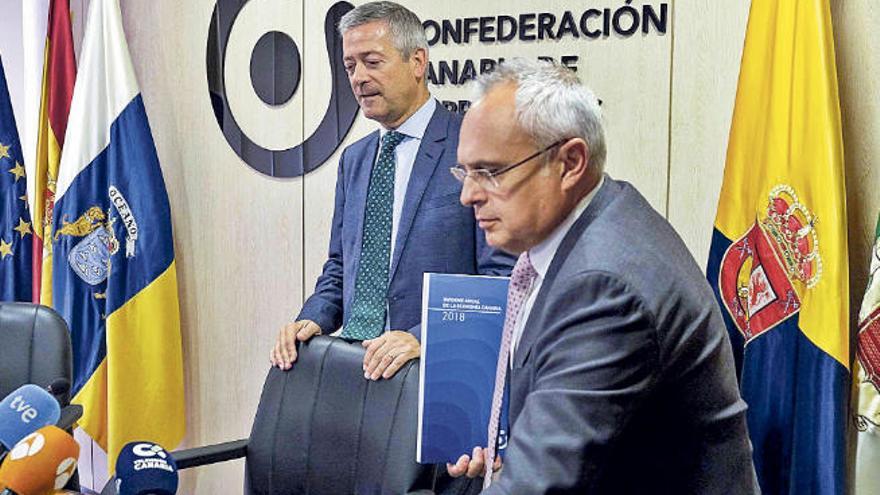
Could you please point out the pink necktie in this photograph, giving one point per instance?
(520, 281)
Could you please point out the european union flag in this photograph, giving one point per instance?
(15, 219)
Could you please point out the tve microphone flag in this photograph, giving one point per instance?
(145, 468)
(40, 463)
(24, 411)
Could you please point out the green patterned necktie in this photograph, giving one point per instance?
(371, 286)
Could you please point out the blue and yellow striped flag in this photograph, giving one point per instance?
(15, 218)
(778, 260)
(114, 277)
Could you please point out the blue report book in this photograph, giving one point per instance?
(462, 322)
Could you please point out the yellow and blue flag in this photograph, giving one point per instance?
(114, 277)
(15, 218)
(778, 261)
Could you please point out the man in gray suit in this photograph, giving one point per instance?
(621, 375)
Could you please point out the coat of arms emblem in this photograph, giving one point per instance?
(90, 258)
(763, 272)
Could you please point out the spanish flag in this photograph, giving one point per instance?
(778, 261)
(59, 74)
(114, 276)
(868, 375)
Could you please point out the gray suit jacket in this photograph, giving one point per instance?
(623, 379)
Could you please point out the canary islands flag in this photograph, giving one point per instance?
(114, 277)
(778, 261)
(15, 219)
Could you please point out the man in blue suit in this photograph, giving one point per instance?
(397, 213)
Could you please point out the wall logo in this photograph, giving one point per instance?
(275, 72)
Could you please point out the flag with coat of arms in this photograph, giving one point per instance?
(778, 259)
(114, 277)
(59, 74)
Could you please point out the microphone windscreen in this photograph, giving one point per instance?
(24, 411)
(40, 463)
(59, 386)
(145, 468)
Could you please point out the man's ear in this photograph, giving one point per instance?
(419, 61)
(575, 157)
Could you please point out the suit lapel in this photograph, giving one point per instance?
(533, 327)
(362, 165)
(423, 168)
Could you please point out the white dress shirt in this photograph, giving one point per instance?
(405, 154)
(541, 257)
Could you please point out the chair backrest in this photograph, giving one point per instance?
(322, 428)
(34, 347)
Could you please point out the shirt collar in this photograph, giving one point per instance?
(542, 254)
(417, 123)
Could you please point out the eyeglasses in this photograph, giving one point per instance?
(488, 178)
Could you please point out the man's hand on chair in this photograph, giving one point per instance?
(283, 355)
(388, 352)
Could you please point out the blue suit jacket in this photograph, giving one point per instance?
(436, 233)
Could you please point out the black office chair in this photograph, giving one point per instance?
(322, 429)
(34, 348)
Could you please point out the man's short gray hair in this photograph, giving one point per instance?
(406, 29)
(551, 104)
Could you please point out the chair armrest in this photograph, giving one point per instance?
(70, 414)
(210, 454)
(198, 456)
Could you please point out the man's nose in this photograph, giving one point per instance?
(471, 192)
(358, 75)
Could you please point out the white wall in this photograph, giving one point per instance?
(11, 53)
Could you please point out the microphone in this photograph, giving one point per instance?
(24, 411)
(145, 468)
(59, 387)
(70, 413)
(40, 463)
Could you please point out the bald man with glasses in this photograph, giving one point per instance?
(614, 354)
